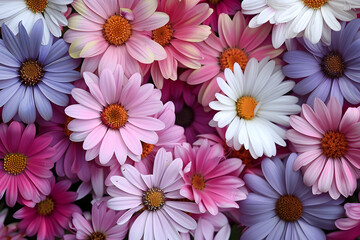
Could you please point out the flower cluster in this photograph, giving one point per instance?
(179, 119)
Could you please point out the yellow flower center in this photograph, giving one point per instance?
(66, 129)
(117, 30)
(45, 207)
(147, 148)
(97, 236)
(163, 35)
(289, 208)
(244, 155)
(114, 116)
(231, 56)
(334, 144)
(14, 163)
(245, 107)
(36, 5)
(315, 4)
(198, 182)
(31, 72)
(333, 65)
(153, 199)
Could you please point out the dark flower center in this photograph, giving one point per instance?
(289, 208)
(163, 35)
(97, 236)
(185, 117)
(45, 207)
(14, 163)
(31, 72)
(198, 182)
(334, 144)
(153, 199)
(333, 65)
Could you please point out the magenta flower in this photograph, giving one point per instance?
(156, 198)
(237, 43)
(328, 147)
(107, 33)
(51, 216)
(102, 225)
(178, 37)
(115, 117)
(205, 174)
(25, 168)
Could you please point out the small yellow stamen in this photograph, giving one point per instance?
(36, 5)
(289, 208)
(31, 72)
(147, 149)
(315, 4)
(334, 144)
(14, 163)
(333, 65)
(163, 35)
(245, 107)
(97, 236)
(45, 207)
(198, 182)
(114, 116)
(231, 56)
(153, 199)
(117, 30)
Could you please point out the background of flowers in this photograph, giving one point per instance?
(116, 124)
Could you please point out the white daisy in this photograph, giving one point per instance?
(253, 105)
(314, 19)
(29, 11)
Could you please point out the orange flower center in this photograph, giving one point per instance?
(245, 107)
(36, 5)
(31, 72)
(117, 30)
(114, 116)
(289, 208)
(315, 4)
(244, 155)
(147, 148)
(214, 2)
(231, 56)
(163, 35)
(153, 199)
(333, 65)
(66, 129)
(97, 236)
(198, 182)
(45, 207)
(334, 144)
(14, 163)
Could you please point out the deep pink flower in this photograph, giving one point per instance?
(25, 166)
(107, 33)
(51, 216)
(236, 43)
(101, 225)
(328, 147)
(229, 7)
(178, 37)
(206, 172)
(115, 116)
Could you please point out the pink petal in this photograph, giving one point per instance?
(86, 99)
(107, 86)
(131, 142)
(192, 33)
(139, 50)
(80, 112)
(155, 21)
(147, 123)
(94, 137)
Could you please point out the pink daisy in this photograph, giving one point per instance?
(237, 43)
(115, 116)
(156, 198)
(107, 33)
(178, 37)
(70, 156)
(102, 225)
(10, 231)
(205, 174)
(328, 147)
(212, 227)
(229, 7)
(25, 168)
(51, 216)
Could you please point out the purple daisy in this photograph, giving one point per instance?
(282, 207)
(33, 75)
(328, 71)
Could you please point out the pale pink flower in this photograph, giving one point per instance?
(157, 195)
(109, 32)
(206, 173)
(9, 231)
(115, 116)
(328, 147)
(178, 37)
(217, 226)
(237, 43)
(51, 216)
(101, 225)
